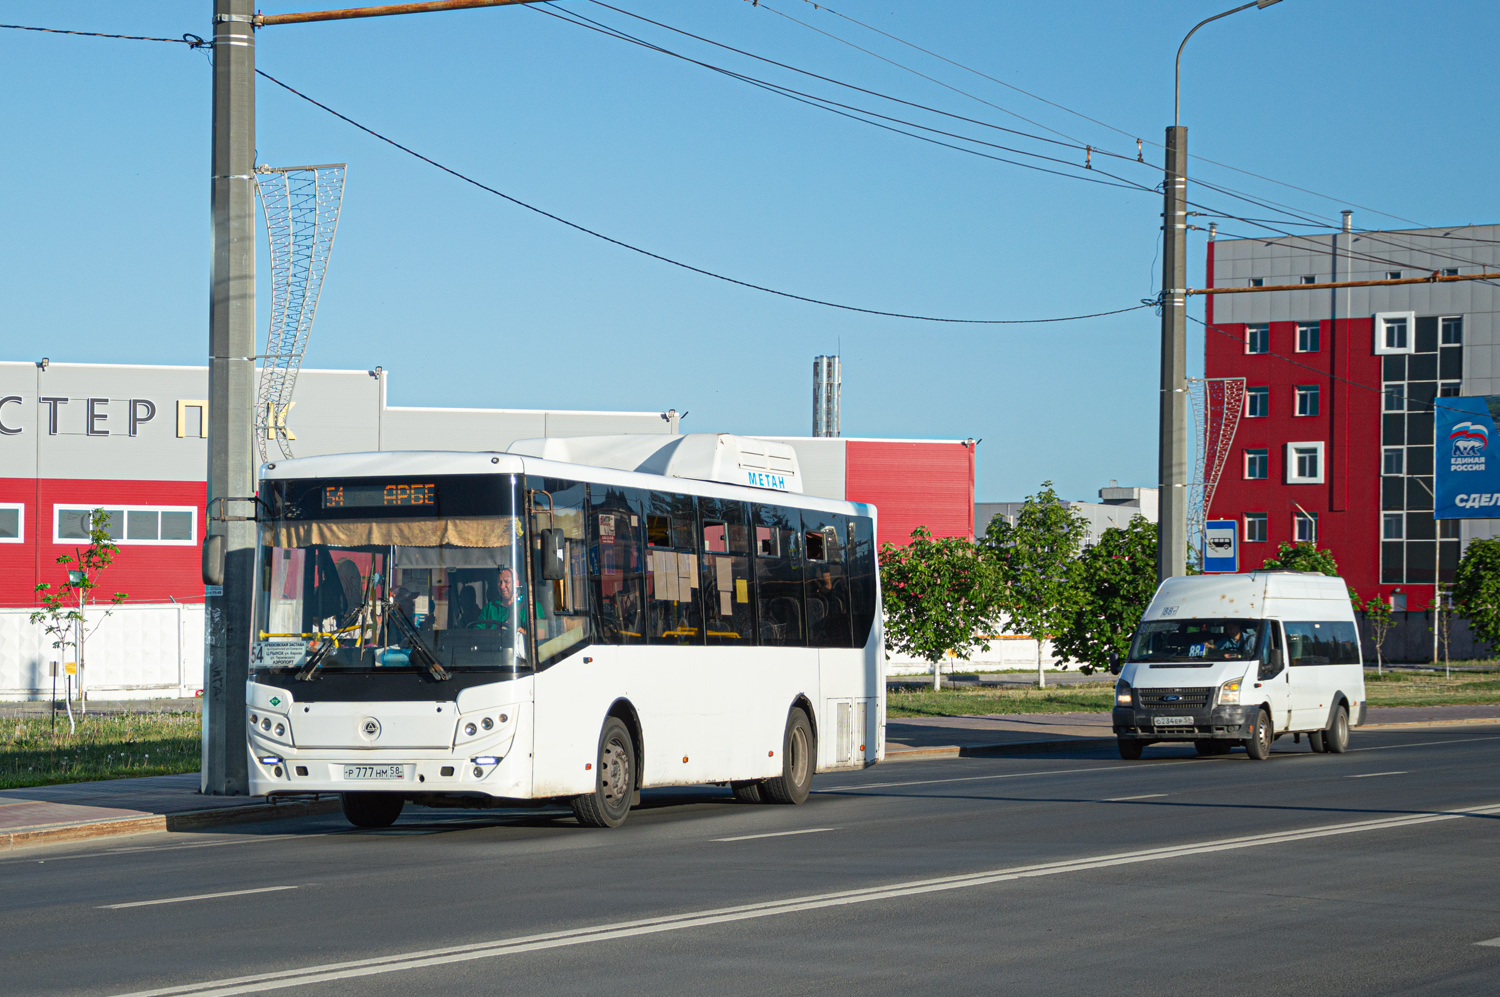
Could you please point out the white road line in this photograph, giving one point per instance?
(1127, 799)
(1493, 943)
(328, 972)
(1424, 744)
(1371, 775)
(1004, 775)
(776, 834)
(200, 896)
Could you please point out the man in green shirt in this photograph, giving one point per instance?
(505, 610)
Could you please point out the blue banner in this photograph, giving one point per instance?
(1467, 478)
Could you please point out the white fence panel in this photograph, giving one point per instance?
(142, 651)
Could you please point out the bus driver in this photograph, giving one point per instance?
(505, 611)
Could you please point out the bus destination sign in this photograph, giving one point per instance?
(379, 496)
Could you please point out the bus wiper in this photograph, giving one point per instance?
(315, 659)
(398, 616)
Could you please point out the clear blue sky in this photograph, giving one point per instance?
(470, 301)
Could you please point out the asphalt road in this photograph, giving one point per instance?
(1077, 873)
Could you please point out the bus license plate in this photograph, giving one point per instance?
(1173, 721)
(377, 772)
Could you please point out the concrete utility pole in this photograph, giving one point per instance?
(231, 394)
(1172, 454)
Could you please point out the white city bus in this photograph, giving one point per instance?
(479, 629)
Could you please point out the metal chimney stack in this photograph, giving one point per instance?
(827, 395)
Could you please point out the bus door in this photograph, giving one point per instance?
(1273, 680)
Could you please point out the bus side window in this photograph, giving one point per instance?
(673, 613)
(728, 614)
(563, 623)
(778, 576)
(1275, 657)
(615, 524)
(860, 559)
(826, 581)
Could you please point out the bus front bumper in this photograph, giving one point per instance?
(1227, 722)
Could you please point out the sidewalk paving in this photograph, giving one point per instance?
(80, 810)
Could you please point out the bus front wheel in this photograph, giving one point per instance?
(797, 762)
(371, 809)
(614, 784)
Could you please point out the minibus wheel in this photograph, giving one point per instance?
(614, 779)
(371, 809)
(1130, 748)
(1336, 737)
(797, 761)
(1258, 744)
(748, 790)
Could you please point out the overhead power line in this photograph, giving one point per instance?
(667, 259)
(191, 41)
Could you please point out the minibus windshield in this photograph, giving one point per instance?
(1197, 643)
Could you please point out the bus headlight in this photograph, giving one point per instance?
(1229, 693)
(1124, 695)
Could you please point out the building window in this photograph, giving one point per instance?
(1257, 465)
(1450, 390)
(1450, 529)
(1257, 282)
(1307, 337)
(130, 524)
(1398, 602)
(1393, 275)
(1255, 527)
(1257, 339)
(1448, 272)
(1393, 526)
(1395, 397)
(1307, 399)
(1393, 332)
(1310, 278)
(1305, 527)
(1304, 463)
(1257, 402)
(1453, 331)
(12, 523)
(1394, 461)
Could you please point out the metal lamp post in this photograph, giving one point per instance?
(1172, 461)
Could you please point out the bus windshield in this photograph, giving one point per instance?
(371, 576)
(1196, 643)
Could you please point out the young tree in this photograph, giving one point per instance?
(1476, 589)
(62, 612)
(1117, 578)
(1038, 564)
(939, 598)
(1382, 622)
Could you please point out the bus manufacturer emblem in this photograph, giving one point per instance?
(370, 727)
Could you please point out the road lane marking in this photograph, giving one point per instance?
(420, 959)
(776, 834)
(1371, 775)
(200, 896)
(1424, 744)
(1003, 775)
(1127, 799)
(1493, 943)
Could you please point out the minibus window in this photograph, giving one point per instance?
(1197, 643)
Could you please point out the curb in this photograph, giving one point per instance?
(1004, 748)
(191, 820)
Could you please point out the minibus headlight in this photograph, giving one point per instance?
(1124, 695)
(1229, 693)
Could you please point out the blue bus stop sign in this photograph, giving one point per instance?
(1221, 546)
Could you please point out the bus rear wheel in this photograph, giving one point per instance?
(372, 809)
(749, 790)
(614, 783)
(797, 762)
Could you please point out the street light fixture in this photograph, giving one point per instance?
(1172, 464)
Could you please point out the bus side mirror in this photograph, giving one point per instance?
(554, 555)
(1114, 662)
(213, 559)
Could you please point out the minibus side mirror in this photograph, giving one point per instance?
(1114, 662)
(213, 559)
(1275, 662)
(554, 555)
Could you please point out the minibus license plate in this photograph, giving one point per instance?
(381, 772)
(1168, 722)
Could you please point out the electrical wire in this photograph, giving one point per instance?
(191, 41)
(852, 112)
(666, 259)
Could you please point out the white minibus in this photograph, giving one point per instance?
(1227, 660)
